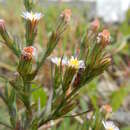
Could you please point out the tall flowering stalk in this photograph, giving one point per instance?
(68, 74)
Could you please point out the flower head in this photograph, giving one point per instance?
(95, 25)
(2, 24)
(104, 37)
(33, 17)
(75, 63)
(59, 61)
(28, 53)
(109, 125)
(66, 15)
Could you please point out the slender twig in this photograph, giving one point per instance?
(78, 114)
(69, 116)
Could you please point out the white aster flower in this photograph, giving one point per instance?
(109, 125)
(34, 17)
(75, 63)
(59, 61)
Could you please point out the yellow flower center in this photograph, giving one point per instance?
(74, 63)
(110, 128)
(59, 62)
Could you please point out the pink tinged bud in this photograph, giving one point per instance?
(2, 25)
(66, 15)
(28, 53)
(107, 108)
(104, 37)
(95, 25)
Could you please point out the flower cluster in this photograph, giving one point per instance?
(68, 75)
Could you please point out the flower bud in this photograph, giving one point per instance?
(95, 25)
(5, 35)
(26, 60)
(28, 53)
(66, 15)
(106, 111)
(2, 25)
(104, 37)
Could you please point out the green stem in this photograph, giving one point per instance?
(45, 121)
(78, 114)
(27, 90)
(28, 5)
